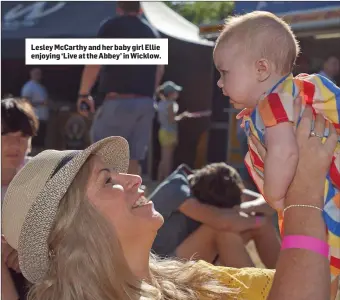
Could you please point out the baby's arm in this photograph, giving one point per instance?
(280, 162)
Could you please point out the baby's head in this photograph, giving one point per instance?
(252, 53)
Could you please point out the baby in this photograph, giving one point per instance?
(255, 55)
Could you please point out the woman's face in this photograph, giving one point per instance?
(118, 197)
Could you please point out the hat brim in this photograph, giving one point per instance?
(33, 251)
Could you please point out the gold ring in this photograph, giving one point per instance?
(314, 134)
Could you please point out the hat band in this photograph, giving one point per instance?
(64, 161)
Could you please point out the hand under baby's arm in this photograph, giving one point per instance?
(280, 162)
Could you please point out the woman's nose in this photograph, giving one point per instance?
(219, 83)
(133, 181)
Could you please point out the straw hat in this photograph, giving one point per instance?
(32, 199)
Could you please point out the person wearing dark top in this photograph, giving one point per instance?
(206, 216)
(128, 90)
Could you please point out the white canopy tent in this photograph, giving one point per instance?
(170, 23)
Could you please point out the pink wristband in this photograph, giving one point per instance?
(306, 242)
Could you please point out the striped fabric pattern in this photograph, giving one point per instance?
(277, 107)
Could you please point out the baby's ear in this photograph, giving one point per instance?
(263, 69)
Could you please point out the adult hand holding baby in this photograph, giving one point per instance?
(310, 148)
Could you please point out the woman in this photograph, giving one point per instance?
(83, 230)
(200, 219)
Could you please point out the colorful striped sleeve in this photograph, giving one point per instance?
(276, 108)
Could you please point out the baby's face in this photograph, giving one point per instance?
(238, 76)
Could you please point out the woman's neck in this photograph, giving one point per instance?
(137, 254)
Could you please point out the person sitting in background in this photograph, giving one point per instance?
(85, 232)
(200, 218)
(167, 109)
(18, 125)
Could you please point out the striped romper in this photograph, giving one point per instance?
(276, 107)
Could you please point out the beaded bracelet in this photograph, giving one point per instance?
(302, 205)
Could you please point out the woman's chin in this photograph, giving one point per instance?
(147, 211)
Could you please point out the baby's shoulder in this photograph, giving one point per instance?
(317, 86)
(314, 79)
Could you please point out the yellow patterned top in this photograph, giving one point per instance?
(251, 283)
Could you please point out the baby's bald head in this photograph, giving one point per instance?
(262, 35)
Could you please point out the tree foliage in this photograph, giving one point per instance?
(203, 12)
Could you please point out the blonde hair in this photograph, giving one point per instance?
(264, 35)
(87, 262)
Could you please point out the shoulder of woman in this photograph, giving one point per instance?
(254, 282)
